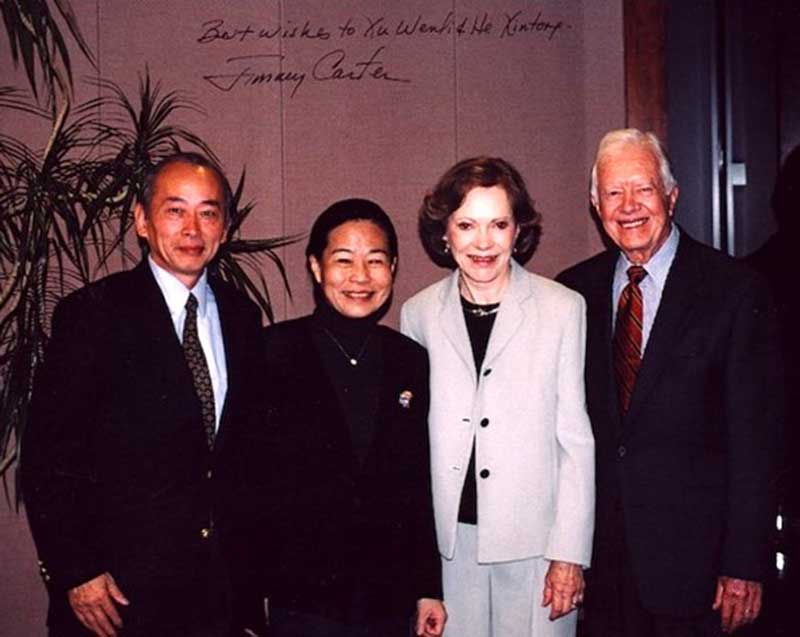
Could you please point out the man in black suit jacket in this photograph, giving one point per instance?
(683, 503)
(130, 488)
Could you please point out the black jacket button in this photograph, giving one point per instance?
(484, 473)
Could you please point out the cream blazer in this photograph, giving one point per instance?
(526, 411)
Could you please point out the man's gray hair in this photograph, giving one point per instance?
(633, 136)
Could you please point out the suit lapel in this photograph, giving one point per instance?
(149, 325)
(149, 303)
(451, 319)
(674, 312)
(600, 376)
(510, 316)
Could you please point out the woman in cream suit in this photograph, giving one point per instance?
(512, 453)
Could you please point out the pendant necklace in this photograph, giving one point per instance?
(353, 360)
(482, 311)
(473, 308)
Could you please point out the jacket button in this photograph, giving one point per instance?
(484, 473)
(485, 422)
(621, 451)
(486, 372)
(209, 474)
(205, 533)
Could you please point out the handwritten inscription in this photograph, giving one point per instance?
(517, 24)
(335, 66)
(250, 70)
(477, 25)
(215, 30)
(243, 71)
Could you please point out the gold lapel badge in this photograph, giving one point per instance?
(405, 398)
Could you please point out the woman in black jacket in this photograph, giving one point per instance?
(353, 549)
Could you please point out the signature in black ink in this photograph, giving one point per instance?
(335, 66)
(249, 76)
(516, 25)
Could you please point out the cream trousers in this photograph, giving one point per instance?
(497, 600)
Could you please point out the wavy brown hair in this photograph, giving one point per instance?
(449, 193)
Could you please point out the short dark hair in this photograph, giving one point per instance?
(193, 159)
(349, 210)
(449, 193)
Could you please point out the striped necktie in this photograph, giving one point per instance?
(196, 361)
(627, 344)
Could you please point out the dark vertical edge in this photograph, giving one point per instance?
(644, 25)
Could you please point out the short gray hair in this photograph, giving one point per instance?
(633, 136)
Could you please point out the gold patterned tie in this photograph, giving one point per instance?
(628, 336)
(196, 360)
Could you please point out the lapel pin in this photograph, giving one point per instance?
(405, 398)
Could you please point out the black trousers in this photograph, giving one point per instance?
(613, 608)
(193, 609)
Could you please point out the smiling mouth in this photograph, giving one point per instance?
(482, 260)
(358, 296)
(635, 223)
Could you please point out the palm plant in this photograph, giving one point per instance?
(66, 211)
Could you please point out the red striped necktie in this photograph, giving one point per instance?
(628, 336)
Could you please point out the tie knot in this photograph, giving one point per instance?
(191, 304)
(636, 273)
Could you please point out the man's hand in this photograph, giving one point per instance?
(738, 602)
(93, 604)
(431, 617)
(563, 588)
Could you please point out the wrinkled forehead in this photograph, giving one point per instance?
(626, 161)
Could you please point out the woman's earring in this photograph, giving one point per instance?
(446, 245)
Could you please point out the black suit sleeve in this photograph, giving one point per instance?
(753, 403)
(58, 480)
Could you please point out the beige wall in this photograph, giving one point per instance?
(539, 98)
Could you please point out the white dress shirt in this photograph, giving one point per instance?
(652, 286)
(208, 326)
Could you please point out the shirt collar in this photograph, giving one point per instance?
(658, 265)
(176, 293)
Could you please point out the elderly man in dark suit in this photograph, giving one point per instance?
(682, 395)
(130, 463)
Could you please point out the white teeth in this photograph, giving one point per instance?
(633, 224)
